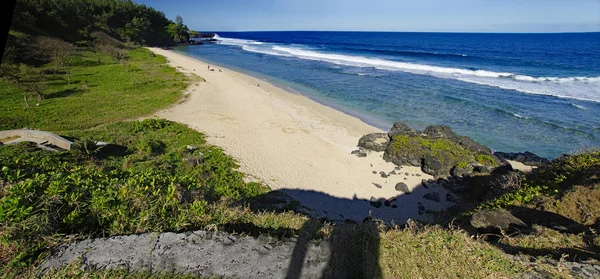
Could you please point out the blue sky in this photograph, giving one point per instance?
(386, 15)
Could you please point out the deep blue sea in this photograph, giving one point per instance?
(511, 92)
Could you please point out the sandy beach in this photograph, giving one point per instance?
(295, 144)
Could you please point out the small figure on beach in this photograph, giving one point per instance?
(220, 70)
(209, 67)
(258, 84)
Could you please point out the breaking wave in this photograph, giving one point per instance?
(581, 88)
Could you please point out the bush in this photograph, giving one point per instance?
(52, 194)
(553, 179)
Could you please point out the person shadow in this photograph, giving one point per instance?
(352, 246)
(354, 251)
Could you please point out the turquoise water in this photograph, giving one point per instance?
(511, 92)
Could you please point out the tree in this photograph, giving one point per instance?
(118, 55)
(34, 79)
(59, 52)
(178, 31)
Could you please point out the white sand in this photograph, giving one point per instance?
(292, 143)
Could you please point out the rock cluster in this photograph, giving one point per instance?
(527, 158)
(437, 150)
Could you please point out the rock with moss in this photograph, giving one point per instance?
(438, 151)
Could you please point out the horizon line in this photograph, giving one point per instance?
(383, 31)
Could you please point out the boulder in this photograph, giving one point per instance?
(402, 187)
(433, 196)
(526, 158)
(434, 166)
(406, 159)
(460, 172)
(400, 128)
(359, 153)
(482, 169)
(424, 183)
(496, 221)
(375, 141)
(473, 146)
(451, 198)
(440, 131)
(389, 201)
(375, 202)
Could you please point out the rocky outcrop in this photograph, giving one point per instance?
(376, 141)
(400, 128)
(497, 221)
(527, 158)
(437, 150)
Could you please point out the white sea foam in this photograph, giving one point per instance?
(520, 116)
(582, 88)
(236, 42)
(579, 106)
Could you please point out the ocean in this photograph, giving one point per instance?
(511, 92)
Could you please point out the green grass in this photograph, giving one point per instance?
(98, 94)
(434, 252)
(49, 194)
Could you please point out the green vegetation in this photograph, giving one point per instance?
(141, 188)
(435, 252)
(444, 150)
(485, 160)
(99, 93)
(553, 180)
(75, 20)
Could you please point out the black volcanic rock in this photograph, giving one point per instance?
(440, 131)
(496, 221)
(376, 141)
(526, 158)
(400, 128)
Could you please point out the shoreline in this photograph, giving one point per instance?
(297, 145)
(286, 86)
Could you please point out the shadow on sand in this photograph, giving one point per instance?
(353, 242)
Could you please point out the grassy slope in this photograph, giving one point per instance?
(47, 199)
(98, 94)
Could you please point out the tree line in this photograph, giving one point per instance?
(76, 20)
(55, 32)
